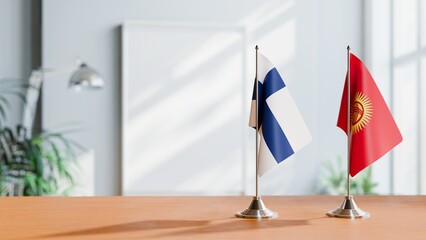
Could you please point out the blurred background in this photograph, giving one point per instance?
(172, 117)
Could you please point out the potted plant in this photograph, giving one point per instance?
(334, 180)
(41, 164)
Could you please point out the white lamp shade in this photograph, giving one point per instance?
(86, 77)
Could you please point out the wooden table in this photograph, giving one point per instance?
(301, 217)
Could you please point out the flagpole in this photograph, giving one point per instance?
(257, 208)
(348, 208)
(257, 124)
(349, 120)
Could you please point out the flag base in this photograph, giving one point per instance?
(348, 209)
(257, 209)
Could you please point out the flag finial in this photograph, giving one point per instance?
(349, 48)
(257, 47)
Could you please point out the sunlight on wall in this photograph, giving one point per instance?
(265, 13)
(189, 104)
(213, 46)
(188, 100)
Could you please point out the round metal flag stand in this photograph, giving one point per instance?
(257, 209)
(348, 209)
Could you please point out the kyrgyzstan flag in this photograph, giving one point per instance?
(373, 130)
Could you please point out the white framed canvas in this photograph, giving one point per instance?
(184, 108)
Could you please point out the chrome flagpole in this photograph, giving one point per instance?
(257, 208)
(348, 208)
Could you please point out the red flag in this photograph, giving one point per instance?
(373, 129)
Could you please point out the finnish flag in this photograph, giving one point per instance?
(281, 127)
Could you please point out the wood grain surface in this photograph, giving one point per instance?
(300, 217)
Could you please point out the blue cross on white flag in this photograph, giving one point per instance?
(281, 126)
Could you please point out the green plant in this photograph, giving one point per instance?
(42, 164)
(334, 180)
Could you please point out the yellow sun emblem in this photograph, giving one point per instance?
(361, 112)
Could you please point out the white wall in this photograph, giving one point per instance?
(400, 77)
(305, 39)
(15, 48)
